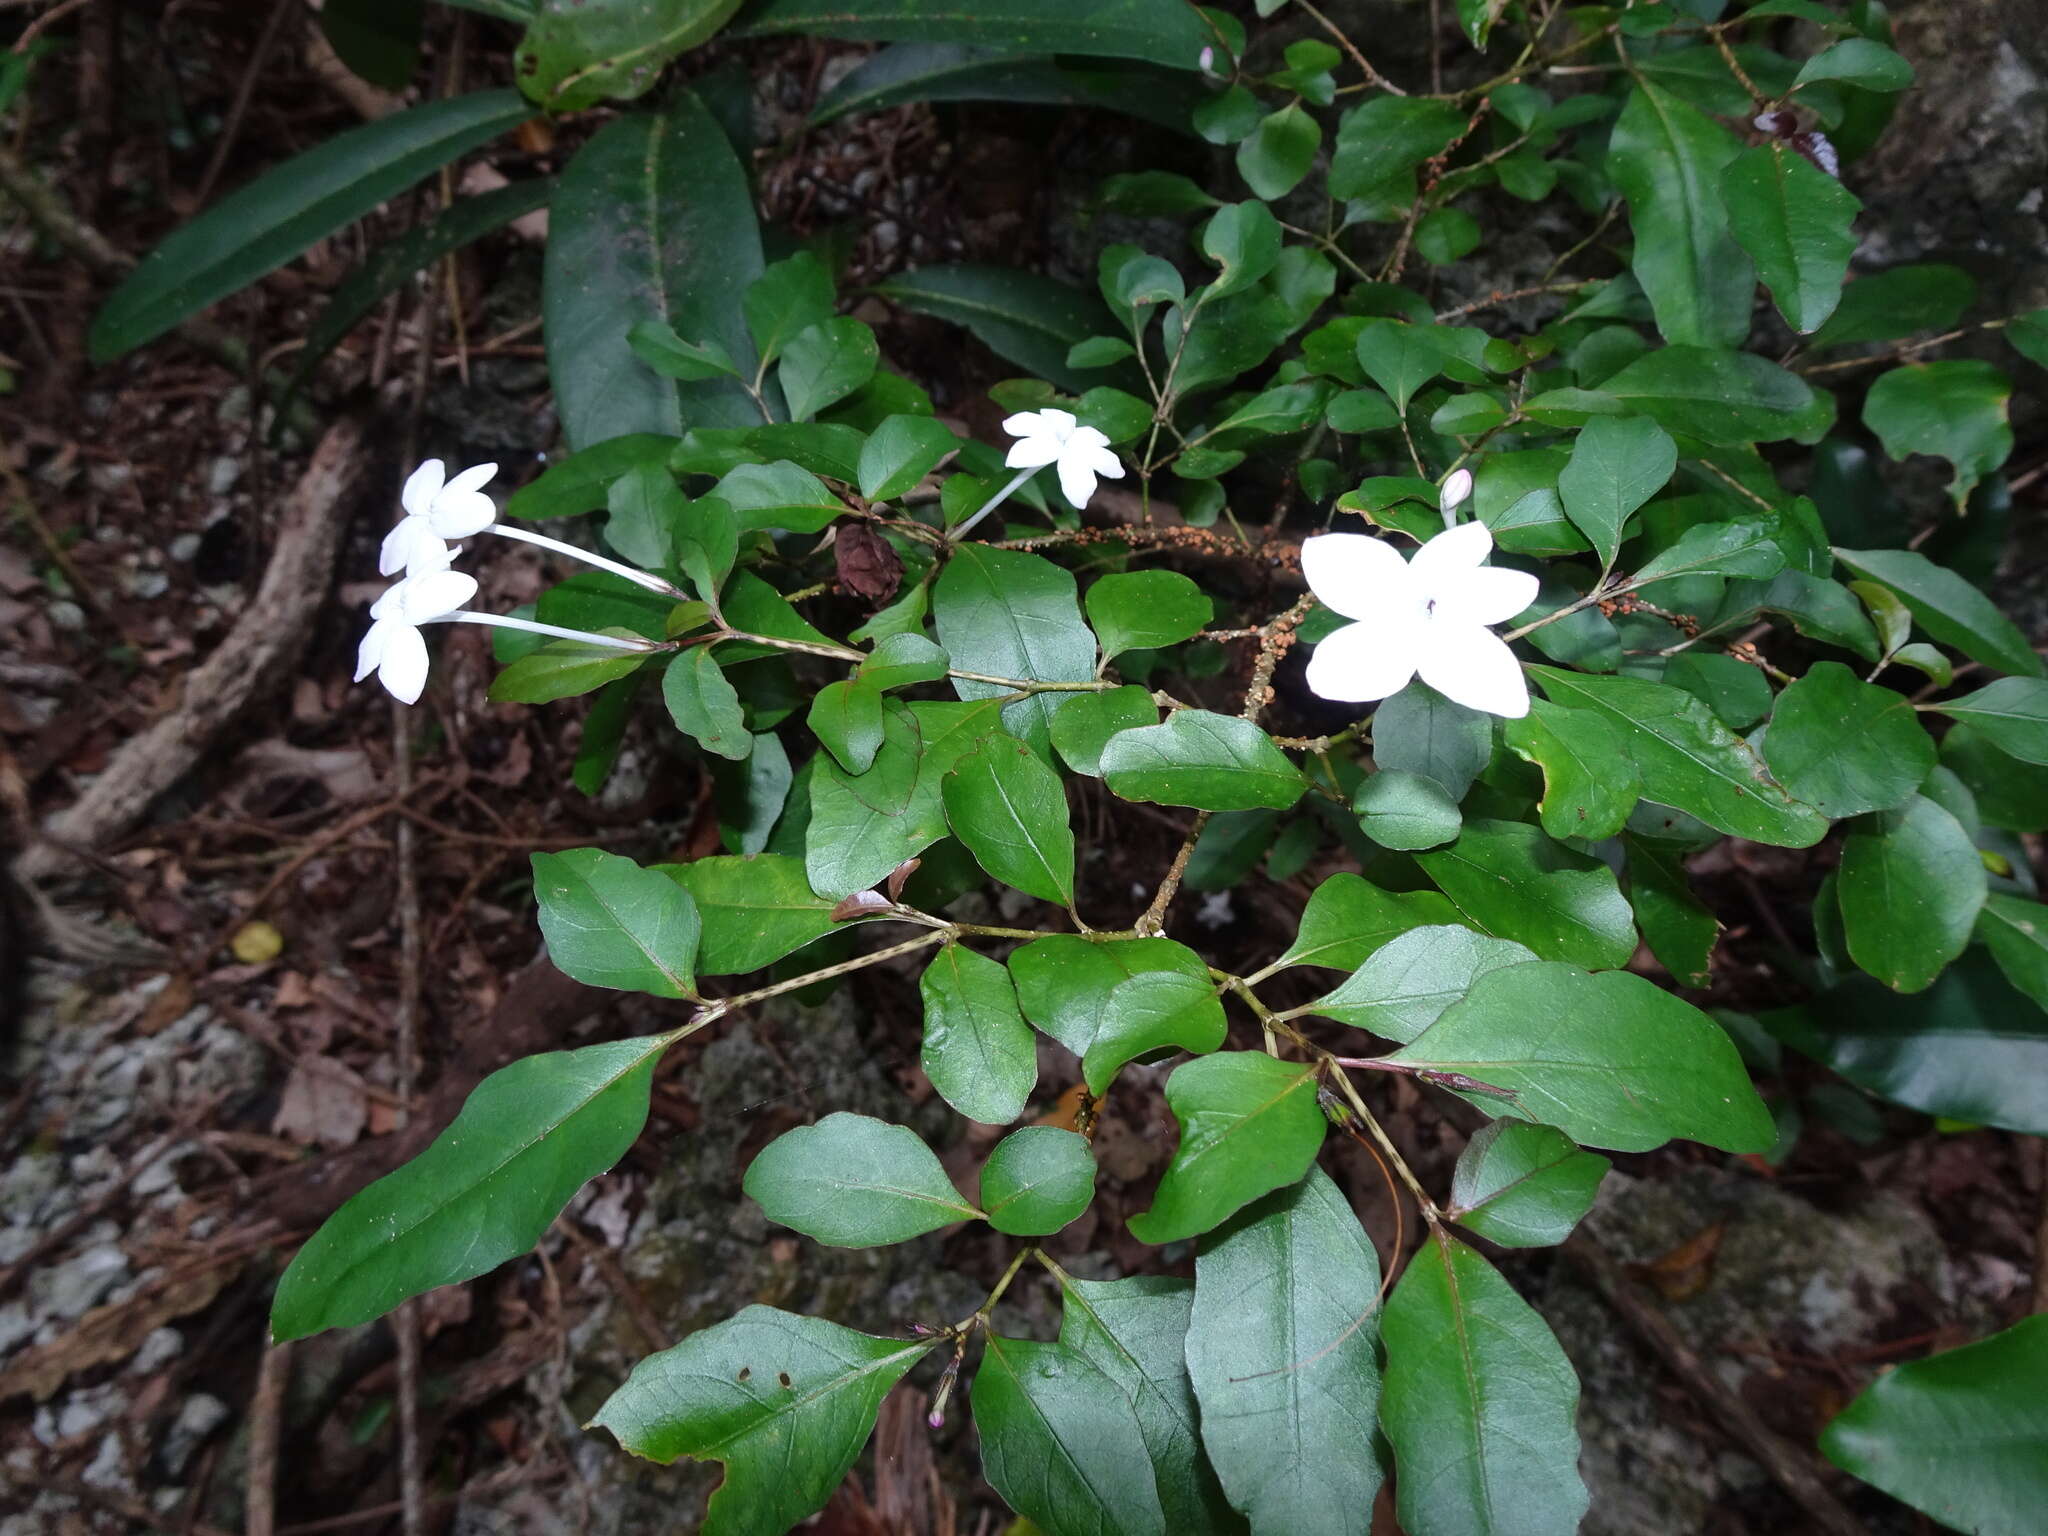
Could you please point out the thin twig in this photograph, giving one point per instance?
(231, 132)
(266, 1422)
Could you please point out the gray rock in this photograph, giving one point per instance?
(198, 1416)
(72, 1287)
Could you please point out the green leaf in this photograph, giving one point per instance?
(753, 910)
(751, 796)
(2028, 336)
(1617, 464)
(1280, 1349)
(610, 923)
(1159, 30)
(790, 296)
(1248, 1124)
(1590, 783)
(377, 39)
(2016, 933)
(1010, 810)
(1405, 810)
(1857, 61)
(1720, 397)
(1911, 885)
(1399, 358)
(1135, 1332)
(1745, 548)
(1037, 1180)
(1086, 722)
(1061, 1442)
(781, 495)
(846, 717)
(1523, 1185)
(932, 71)
(901, 452)
(1679, 931)
(1611, 1060)
(2010, 794)
(563, 669)
(577, 53)
(1348, 917)
(1667, 158)
(1947, 607)
(1888, 305)
(1209, 761)
(265, 224)
(1112, 1001)
(525, 1141)
(826, 363)
(1958, 1435)
(1145, 609)
(1447, 235)
(978, 1052)
(1023, 317)
(785, 1402)
(582, 482)
(2012, 713)
(1845, 746)
(1382, 140)
(658, 346)
(1480, 1404)
(854, 1182)
(1420, 731)
(899, 660)
(1511, 881)
(639, 206)
(704, 706)
(1957, 409)
(1688, 759)
(1244, 240)
(707, 541)
(1279, 153)
(1795, 220)
(1408, 982)
(646, 507)
(1009, 614)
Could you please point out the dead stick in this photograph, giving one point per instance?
(266, 1419)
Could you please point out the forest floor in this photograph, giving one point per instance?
(207, 1051)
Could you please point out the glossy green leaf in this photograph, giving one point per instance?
(1947, 607)
(1061, 1442)
(1617, 464)
(1959, 409)
(1281, 1352)
(1688, 759)
(978, 1052)
(1280, 151)
(703, 704)
(1158, 30)
(1747, 547)
(1858, 61)
(1420, 731)
(1145, 609)
(2012, 713)
(1794, 220)
(1244, 240)
(489, 1186)
(1086, 722)
(1716, 396)
(1888, 305)
(854, 1182)
(577, 53)
(646, 508)
(753, 911)
(562, 669)
(638, 207)
(2010, 794)
(936, 71)
(1009, 614)
(1523, 1185)
(1667, 158)
(582, 482)
(751, 796)
(824, 364)
(790, 296)
(1348, 918)
(780, 495)
(1480, 1404)
(1399, 358)
(658, 346)
(265, 224)
(1680, 931)
(846, 717)
(1405, 985)
(901, 452)
(2028, 335)
(1911, 885)
(785, 1402)
(1248, 1124)
(1023, 317)
(610, 923)
(1845, 746)
(1209, 761)
(1010, 810)
(1509, 880)
(1381, 141)
(1612, 1060)
(1036, 1180)
(1112, 1001)
(899, 660)
(1590, 783)
(1405, 810)
(2016, 932)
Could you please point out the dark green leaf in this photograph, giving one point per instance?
(1279, 152)
(610, 923)
(1957, 409)
(1009, 614)
(1112, 1001)
(2012, 713)
(978, 1052)
(658, 346)
(790, 296)
(1147, 609)
(1858, 61)
(854, 1182)
(582, 482)
(753, 910)
(1086, 722)
(1795, 221)
(562, 669)
(2016, 932)
(1911, 885)
(899, 453)
(377, 39)
(1947, 607)
(1158, 30)
(1845, 746)
(1747, 548)
(1405, 810)
(934, 71)
(1407, 983)
(1348, 917)
(1209, 761)
(1511, 881)
(1420, 731)
(750, 796)
(1249, 1124)
(1617, 464)
(1523, 1185)
(1381, 141)
(899, 660)
(846, 717)
(824, 364)
(1244, 240)
(1887, 305)
(1590, 783)
(780, 495)
(1023, 317)
(1679, 931)
(704, 706)
(577, 53)
(1721, 397)
(1037, 1180)
(1010, 810)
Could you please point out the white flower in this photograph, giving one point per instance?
(394, 648)
(436, 511)
(1457, 486)
(1427, 615)
(1054, 437)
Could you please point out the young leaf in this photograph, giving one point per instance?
(1957, 409)
(978, 1052)
(1409, 981)
(1112, 1001)
(1348, 918)
(1523, 1185)
(1947, 607)
(753, 910)
(789, 296)
(703, 704)
(1911, 886)
(825, 364)
(610, 923)
(562, 669)
(1209, 761)
(1509, 880)
(1249, 1123)
(525, 1141)
(1857, 61)
(1795, 221)
(1611, 1060)
(780, 495)
(902, 659)
(846, 717)
(1037, 1180)
(1617, 464)
(1010, 810)
(1405, 811)
(854, 1182)
(1480, 1403)
(656, 344)
(1281, 1353)
(1399, 358)
(1845, 746)
(785, 1402)
(1009, 614)
(1145, 609)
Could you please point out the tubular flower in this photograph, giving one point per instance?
(437, 510)
(394, 648)
(1426, 616)
(1055, 437)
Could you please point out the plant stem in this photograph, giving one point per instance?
(554, 631)
(633, 574)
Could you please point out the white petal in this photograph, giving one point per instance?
(1357, 575)
(1060, 423)
(1106, 464)
(431, 594)
(1441, 563)
(1493, 594)
(1032, 452)
(403, 670)
(1363, 662)
(457, 516)
(473, 478)
(1086, 438)
(421, 487)
(412, 546)
(371, 651)
(1474, 667)
(1456, 488)
(1077, 480)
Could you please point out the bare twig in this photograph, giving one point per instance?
(231, 132)
(266, 1421)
